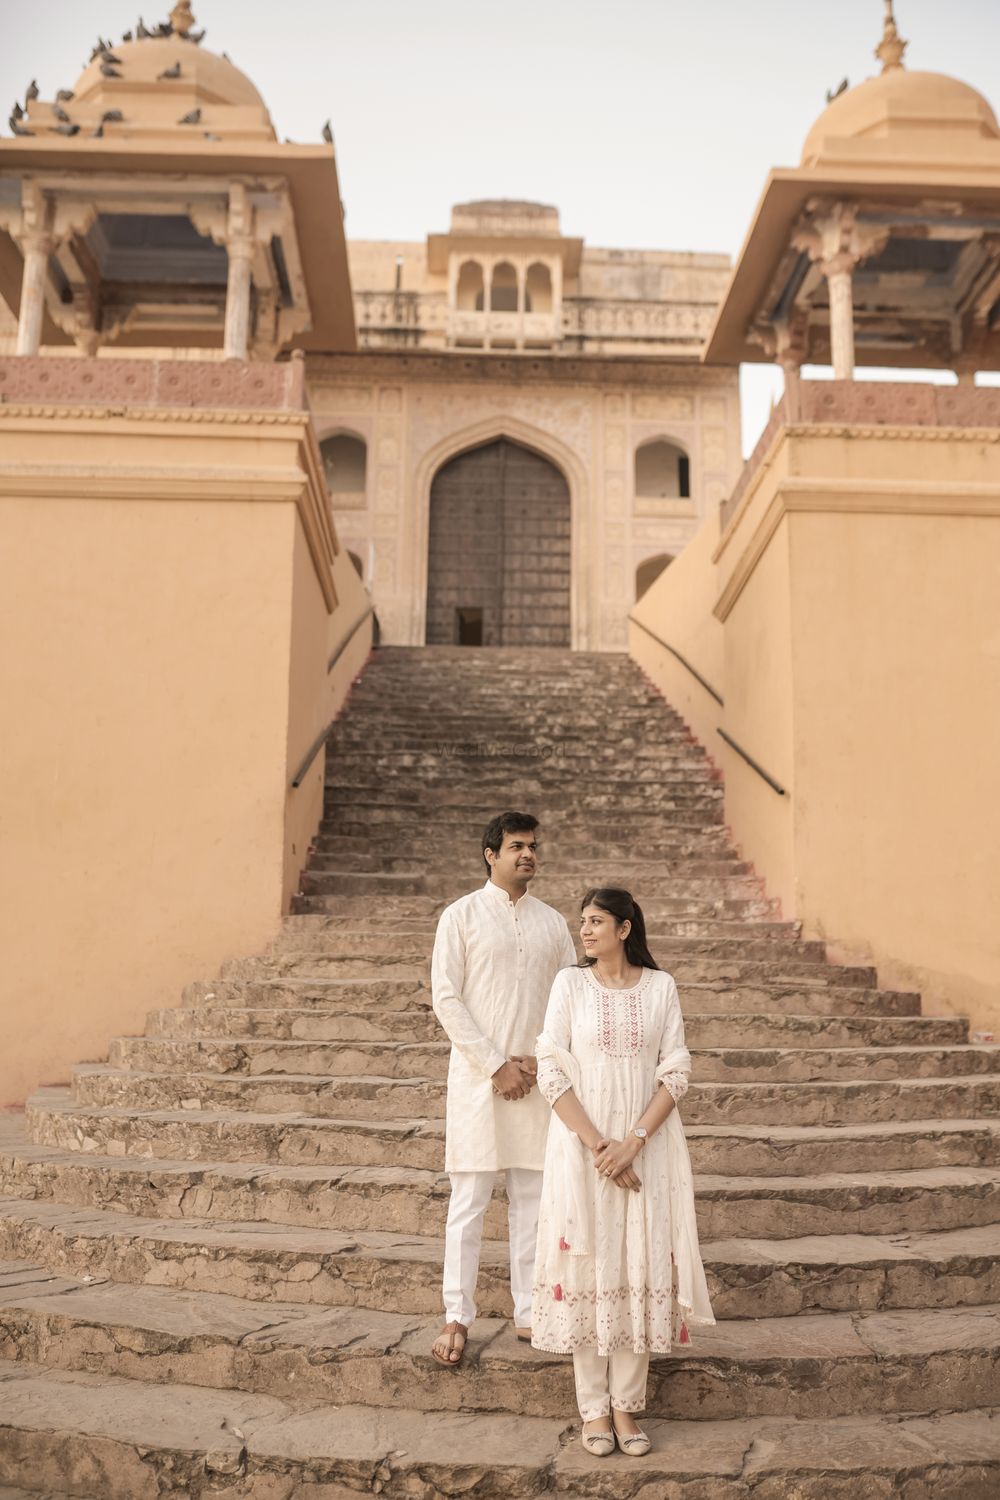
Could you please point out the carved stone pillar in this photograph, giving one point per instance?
(36, 248)
(556, 271)
(839, 270)
(833, 238)
(237, 334)
(240, 248)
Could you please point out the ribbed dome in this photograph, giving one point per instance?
(214, 79)
(929, 111)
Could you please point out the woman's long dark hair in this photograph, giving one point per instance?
(624, 908)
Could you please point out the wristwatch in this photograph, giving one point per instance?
(641, 1133)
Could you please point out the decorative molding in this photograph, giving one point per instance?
(891, 497)
(461, 367)
(300, 483)
(190, 415)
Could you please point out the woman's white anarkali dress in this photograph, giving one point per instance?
(616, 1269)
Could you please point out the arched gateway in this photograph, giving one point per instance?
(498, 569)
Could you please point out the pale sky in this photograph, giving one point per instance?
(648, 123)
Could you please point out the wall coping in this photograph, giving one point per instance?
(233, 384)
(868, 406)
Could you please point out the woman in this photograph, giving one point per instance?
(618, 1272)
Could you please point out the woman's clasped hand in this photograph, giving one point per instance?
(614, 1159)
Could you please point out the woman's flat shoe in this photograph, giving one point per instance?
(635, 1445)
(524, 1334)
(600, 1444)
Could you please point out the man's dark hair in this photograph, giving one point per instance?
(508, 822)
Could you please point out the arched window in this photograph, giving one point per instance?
(649, 571)
(469, 291)
(345, 463)
(538, 289)
(503, 288)
(662, 471)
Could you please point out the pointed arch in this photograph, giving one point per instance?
(547, 446)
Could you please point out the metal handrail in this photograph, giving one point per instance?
(718, 698)
(348, 638)
(752, 763)
(682, 659)
(322, 737)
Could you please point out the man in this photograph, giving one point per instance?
(496, 954)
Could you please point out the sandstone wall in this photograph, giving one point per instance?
(169, 586)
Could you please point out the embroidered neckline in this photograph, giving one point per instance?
(632, 989)
(621, 1028)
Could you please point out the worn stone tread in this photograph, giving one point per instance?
(747, 1278)
(52, 1115)
(702, 1028)
(415, 1199)
(137, 1442)
(350, 1354)
(384, 1096)
(428, 1057)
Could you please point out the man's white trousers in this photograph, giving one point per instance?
(470, 1197)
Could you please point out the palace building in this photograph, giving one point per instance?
(518, 430)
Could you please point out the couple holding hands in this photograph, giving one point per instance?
(565, 1076)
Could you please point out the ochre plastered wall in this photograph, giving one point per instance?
(155, 580)
(414, 413)
(678, 609)
(856, 590)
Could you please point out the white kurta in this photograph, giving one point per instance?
(616, 1269)
(493, 966)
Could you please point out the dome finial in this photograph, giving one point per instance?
(891, 48)
(181, 18)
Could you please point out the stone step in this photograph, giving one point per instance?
(415, 774)
(255, 1057)
(696, 897)
(871, 1362)
(690, 920)
(142, 1442)
(348, 994)
(711, 970)
(736, 1028)
(412, 1200)
(54, 1118)
(753, 941)
(558, 831)
(747, 1279)
(316, 934)
(374, 1095)
(339, 851)
(722, 883)
(701, 808)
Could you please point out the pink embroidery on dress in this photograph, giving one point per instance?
(557, 1292)
(685, 1336)
(562, 1244)
(621, 1028)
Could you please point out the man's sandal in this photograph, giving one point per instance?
(450, 1330)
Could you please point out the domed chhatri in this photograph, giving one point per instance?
(901, 114)
(153, 205)
(915, 114)
(879, 247)
(160, 80)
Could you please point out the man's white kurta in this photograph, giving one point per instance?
(493, 966)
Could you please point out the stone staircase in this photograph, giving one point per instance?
(221, 1249)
